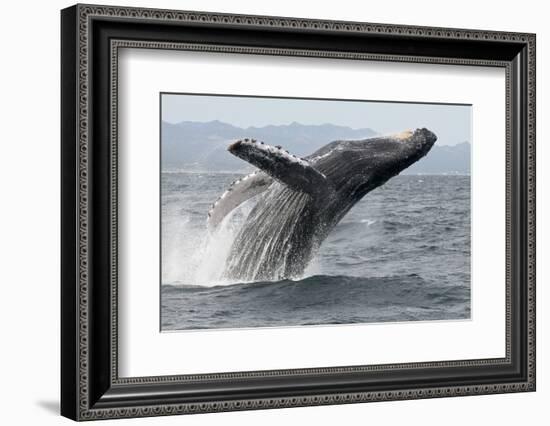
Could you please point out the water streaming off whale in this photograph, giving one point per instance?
(262, 250)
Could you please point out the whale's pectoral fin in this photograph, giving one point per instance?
(296, 173)
(241, 190)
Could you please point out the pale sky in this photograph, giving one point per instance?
(451, 123)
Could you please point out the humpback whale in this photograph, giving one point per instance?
(300, 200)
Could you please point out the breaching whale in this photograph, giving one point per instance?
(300, 200)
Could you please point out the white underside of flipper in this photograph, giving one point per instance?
(238, 192)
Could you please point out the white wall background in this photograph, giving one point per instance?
(29, 225)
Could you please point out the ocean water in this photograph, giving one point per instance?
(401, 254)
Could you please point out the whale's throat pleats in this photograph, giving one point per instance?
(278, 239)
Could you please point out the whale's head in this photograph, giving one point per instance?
(357, 167)
(390, 155)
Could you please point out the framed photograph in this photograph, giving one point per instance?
(263, 212)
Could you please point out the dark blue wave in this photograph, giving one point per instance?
(320, 299)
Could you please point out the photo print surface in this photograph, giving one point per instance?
(280, 212)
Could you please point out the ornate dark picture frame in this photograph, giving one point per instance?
(90, 385)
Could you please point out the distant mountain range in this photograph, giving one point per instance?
(198, 146)
(444, 159)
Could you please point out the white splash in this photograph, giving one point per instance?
(193, 255)
(216, 247)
